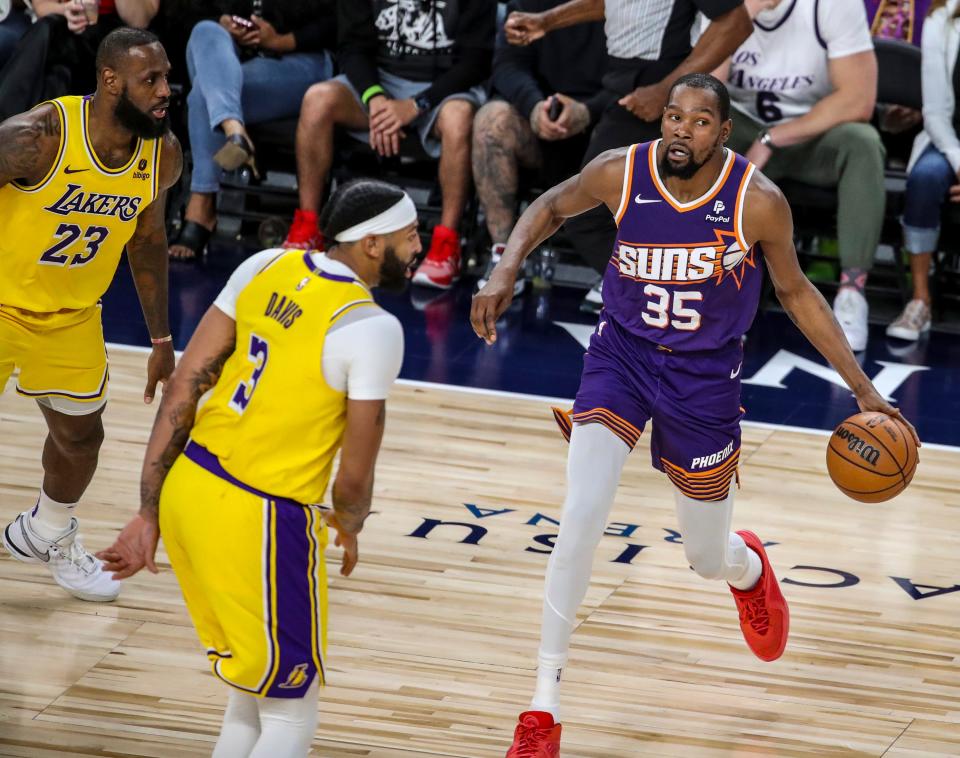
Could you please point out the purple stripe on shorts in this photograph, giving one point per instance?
(296, 667)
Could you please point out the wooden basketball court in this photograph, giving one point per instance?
(433, 639)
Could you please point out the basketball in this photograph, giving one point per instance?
(871, 457)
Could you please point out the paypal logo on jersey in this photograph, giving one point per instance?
(75, 200)
(716, 217)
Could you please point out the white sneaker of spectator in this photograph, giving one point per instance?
(914, 321)
(851, 310)
(519, 285)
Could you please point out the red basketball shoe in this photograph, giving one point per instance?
(304, 232)
(536, 736)
(764, 615)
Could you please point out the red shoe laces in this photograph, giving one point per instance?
(529, 738)
(755, 613)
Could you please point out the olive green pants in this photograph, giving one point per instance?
(849, 157)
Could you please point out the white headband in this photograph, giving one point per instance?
(393, 219)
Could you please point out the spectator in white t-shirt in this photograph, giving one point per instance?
(803, 86)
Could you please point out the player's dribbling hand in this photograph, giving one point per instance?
(160, 367)
(490, 303)
(134, 548)
(873, 401)
(524, 28)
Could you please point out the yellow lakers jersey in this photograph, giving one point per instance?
(272, 419)
(61, 239)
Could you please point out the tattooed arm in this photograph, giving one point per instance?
(148, 255)
(769, 223)
(199, 369)
(28, 145)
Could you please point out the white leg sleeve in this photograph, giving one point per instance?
(287, 725)
(711, 548)
(595, 461)
(241, 726)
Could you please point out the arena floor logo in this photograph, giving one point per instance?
(822, 577)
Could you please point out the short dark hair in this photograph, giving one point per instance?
(706, 81)
(117, 44)
(355, 202)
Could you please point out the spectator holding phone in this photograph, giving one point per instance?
(56, 55)
(246, 68)
(539, 121)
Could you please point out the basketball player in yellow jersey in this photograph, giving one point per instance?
(300, 360)
(80, 179)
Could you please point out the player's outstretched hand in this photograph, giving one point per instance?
(160, 366)
(345, 540)
(873, 401)
(135, 547)
(490, 303)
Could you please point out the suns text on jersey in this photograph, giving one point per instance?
(76, 200)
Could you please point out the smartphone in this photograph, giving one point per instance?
(553, 112)
(246, 23)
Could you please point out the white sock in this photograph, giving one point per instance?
(287, 725)
(241, 726)
(710, 547)
(50, 519)
(594, 462)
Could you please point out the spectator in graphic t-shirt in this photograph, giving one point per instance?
(409, 69)
(802, 86)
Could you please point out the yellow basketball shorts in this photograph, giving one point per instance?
(252, 574)
(61, 357)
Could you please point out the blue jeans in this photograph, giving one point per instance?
(12, 28)
(927, 187)
(262, 89)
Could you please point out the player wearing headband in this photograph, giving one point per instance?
(299, 359)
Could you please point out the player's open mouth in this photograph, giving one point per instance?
(159, 113)
(677, 152)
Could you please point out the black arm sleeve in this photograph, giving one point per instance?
(513, 72)
(357, 44)
(474, 42)
(715, 8)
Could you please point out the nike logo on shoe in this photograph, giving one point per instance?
(640, 201)
(69, 170)
(735, 373)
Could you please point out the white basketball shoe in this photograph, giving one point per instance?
(851, 311)
(73, 567)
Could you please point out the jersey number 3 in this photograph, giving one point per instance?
(68, 234)
(660, 310)
(258, 357)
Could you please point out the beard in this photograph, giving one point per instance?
(138, 123)
(687, 171)
(393, 271)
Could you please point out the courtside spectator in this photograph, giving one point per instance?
(246, 68)
(514, 132)
(934, 164)
(409, 69)
(14, 22)
(802, 86)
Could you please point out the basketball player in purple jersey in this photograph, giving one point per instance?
(696, 222)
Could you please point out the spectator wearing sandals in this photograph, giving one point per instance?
(252, 65)
(539, 121)
(56, 55)
(934, 163)
(410, 68)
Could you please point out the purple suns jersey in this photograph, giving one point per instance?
(682, 275)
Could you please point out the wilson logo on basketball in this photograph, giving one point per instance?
(856, 445)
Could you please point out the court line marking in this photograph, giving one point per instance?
(564, 401)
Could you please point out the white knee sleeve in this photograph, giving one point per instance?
(595, 461)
